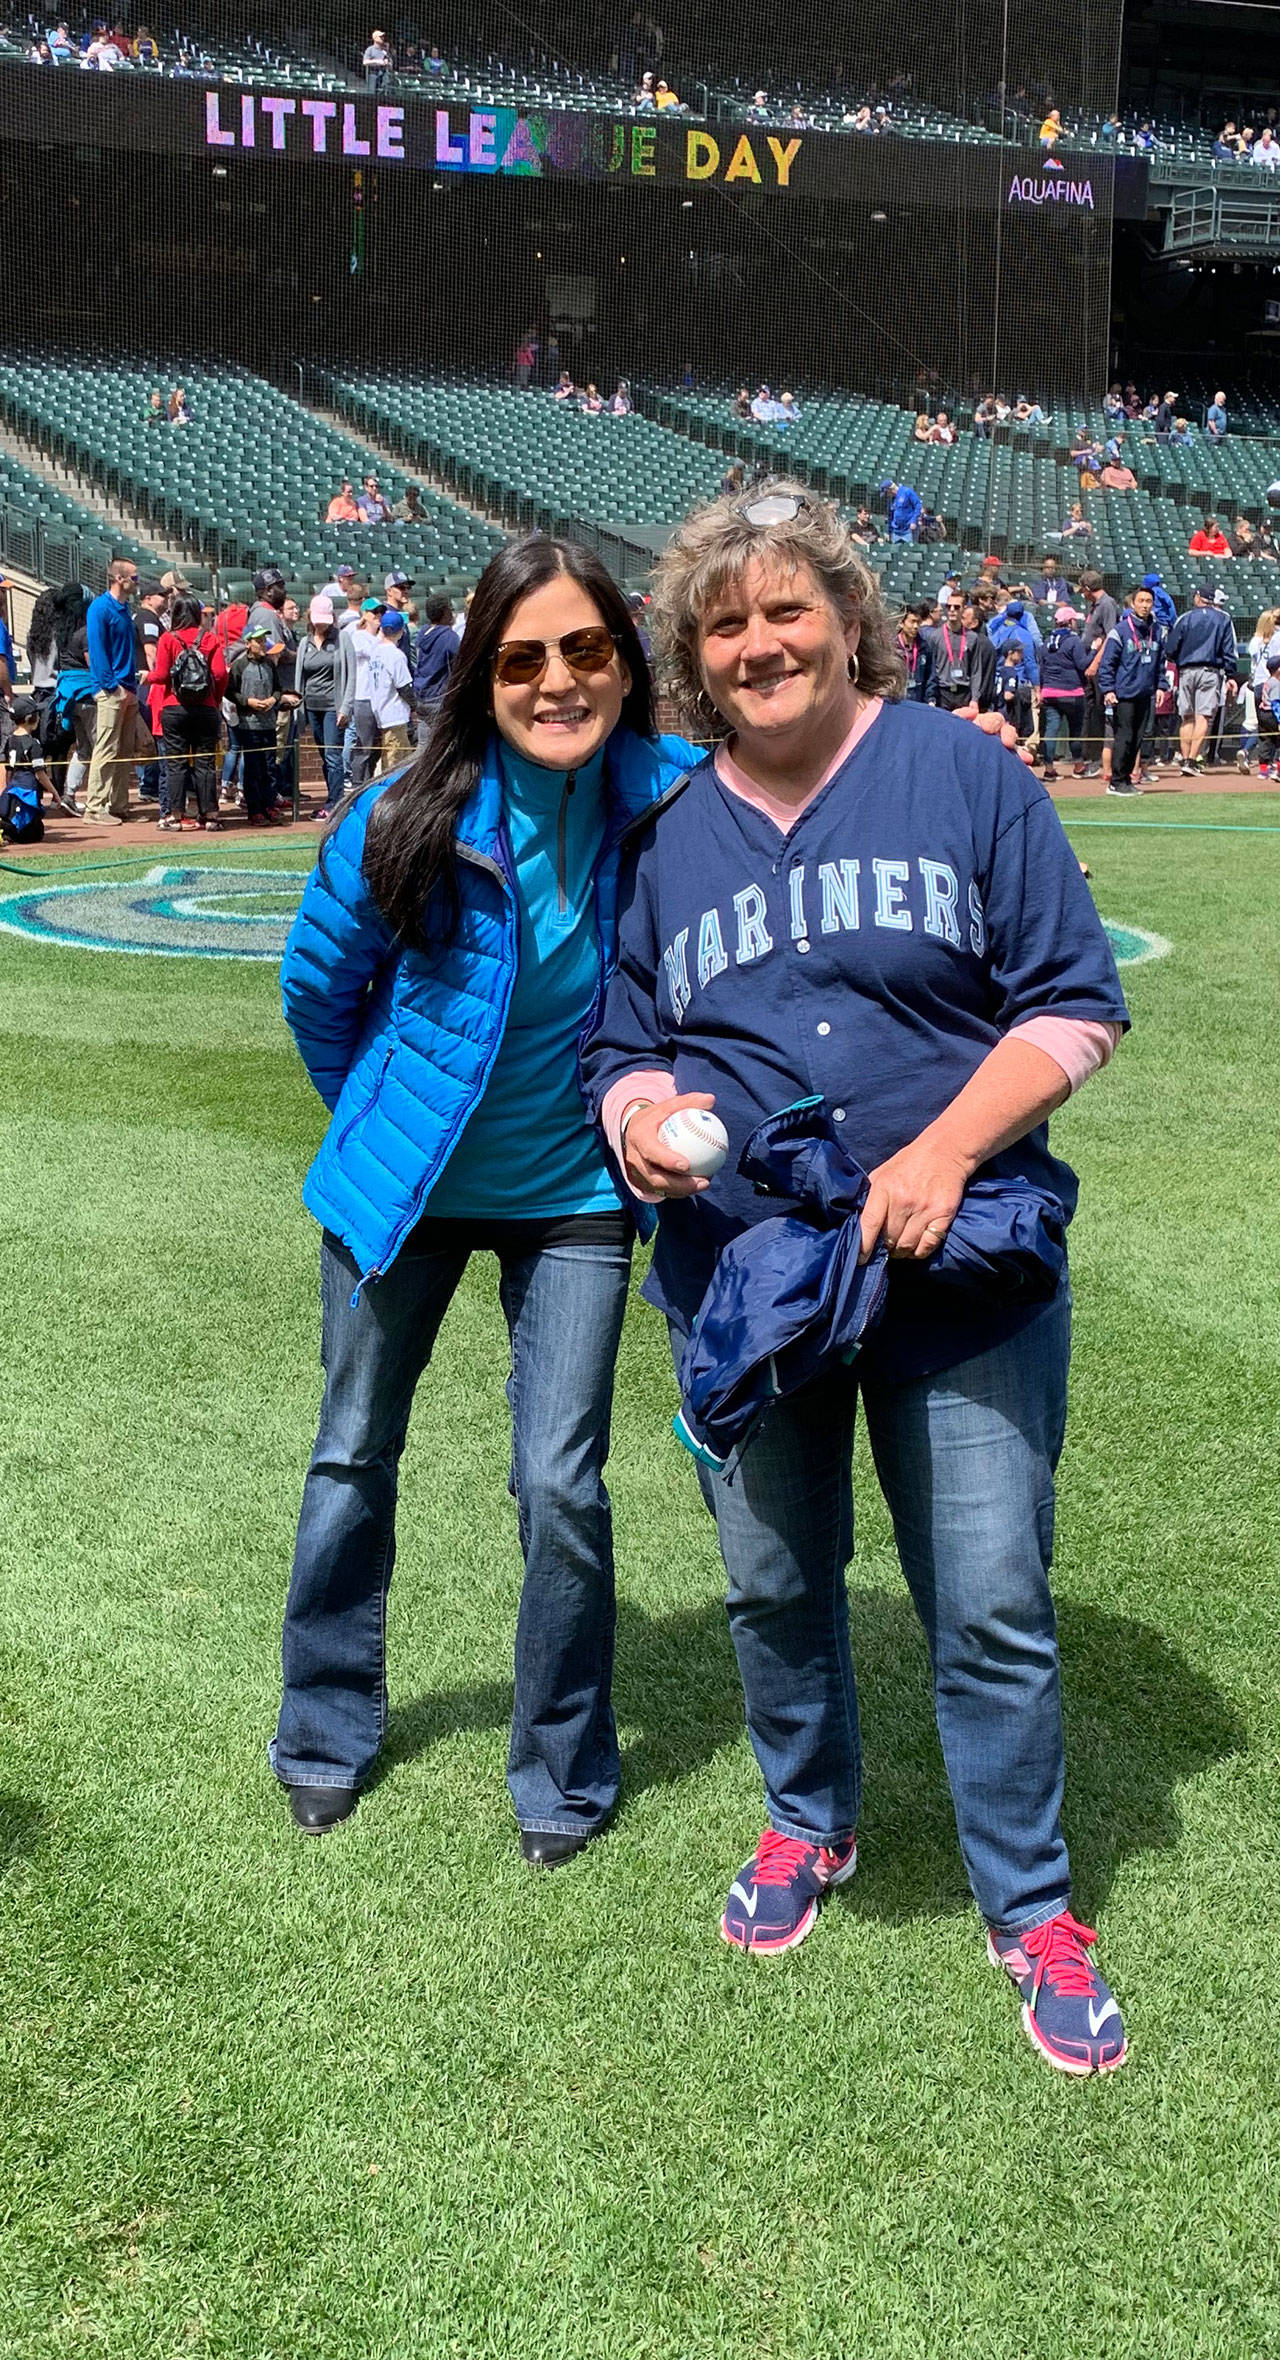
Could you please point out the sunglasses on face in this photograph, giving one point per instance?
(519, 662)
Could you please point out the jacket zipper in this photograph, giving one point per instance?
(562, 831)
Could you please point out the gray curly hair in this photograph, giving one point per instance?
(709, 551)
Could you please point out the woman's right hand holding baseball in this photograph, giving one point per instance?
(653, 1168)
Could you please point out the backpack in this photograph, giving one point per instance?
(191, 676)
(20, 820)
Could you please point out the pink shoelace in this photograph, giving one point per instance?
(778, 1857)
(1061, 1949)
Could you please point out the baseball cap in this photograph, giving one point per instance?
(1206, 590)
(1015, 610)
(345, 573)
(148, 589)
(393, 622)
(398, 582)
(371, 606)
(1153, 581)
(173, 580)
(1065, 614)
(270, 578)
(320, 610)
(255, 631)
(1221, 596)
(23, 708)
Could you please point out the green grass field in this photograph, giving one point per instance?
(393, 2095)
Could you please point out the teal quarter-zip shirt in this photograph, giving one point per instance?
(529, 1150)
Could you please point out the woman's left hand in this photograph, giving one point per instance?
(913, 1200)
(995, 725)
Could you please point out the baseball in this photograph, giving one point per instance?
(698, 1135)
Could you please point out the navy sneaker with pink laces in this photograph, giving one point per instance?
(1069, 2013)
(774, 1901)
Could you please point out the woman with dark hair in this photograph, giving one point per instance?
(75, 712)
(450, 954)
(187, 683)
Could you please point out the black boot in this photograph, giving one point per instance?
(546, 1850)
(318, 1808)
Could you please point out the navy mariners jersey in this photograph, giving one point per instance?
(923, 904)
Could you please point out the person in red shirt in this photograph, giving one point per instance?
(342, 508)
(1210, 541)
(187, 681)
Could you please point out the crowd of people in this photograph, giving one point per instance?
(1129, 686)
(152, 700)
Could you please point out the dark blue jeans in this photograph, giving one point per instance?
(966, 1462)
(564, 1306)
(323, 725)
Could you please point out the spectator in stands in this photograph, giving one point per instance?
(644, 100)
(316, 682)
(922, 426)
(1087, 460)
(1209, 540)
(733, 481)
(1165, 412)
(1215, 424)
(1113, 409)
(1226, 145)
(1144, 139)
(665, 99)
(904, 508)
(1244, 540)
(1027, 413)
(984, 417)
(146, 48)
(255, 693)
(1202, 643)
(155, 413)
(408, 509)
(121, 737)
(1117, 476)
(942, 431)
(525, 361)
(1051, 131)
(61, 47)
(187, 684)
(566, 390)
(101, 56)
(762, 406)
(866, 529)
(179, 408)
(1053, 588)
(741, 405)
(1266, 150)
(373, 508)
(120, 41)
(1132, 655)
(1077, 526)
(1180, 437)
(788, 410)
(433, 62)
(39, 54)
(438, 644)
(377, 63)
(620, 403)
(862, 121)
(758, 111)
(592, 402)
(1064, 670)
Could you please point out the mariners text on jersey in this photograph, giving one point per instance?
(924, 903)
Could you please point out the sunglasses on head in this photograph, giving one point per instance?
(519, 662)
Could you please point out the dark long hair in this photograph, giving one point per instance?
(409, 856)
(55, 615)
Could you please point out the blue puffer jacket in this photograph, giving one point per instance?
(400, 1043)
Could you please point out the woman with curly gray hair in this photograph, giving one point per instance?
(868, 905)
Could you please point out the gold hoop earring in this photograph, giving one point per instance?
(854, 667)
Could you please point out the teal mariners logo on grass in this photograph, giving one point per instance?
(221, 913)
(1131, 946)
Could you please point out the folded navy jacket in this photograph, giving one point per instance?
(790, 1300)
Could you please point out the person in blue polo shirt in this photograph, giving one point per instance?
(121, 737)
(864, 900)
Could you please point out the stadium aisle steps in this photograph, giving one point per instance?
(248, 481)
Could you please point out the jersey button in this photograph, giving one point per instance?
(837, 1114)
(823, 1030)
(802, 946)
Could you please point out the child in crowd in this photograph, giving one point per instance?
(24, 777)
(1013, 700)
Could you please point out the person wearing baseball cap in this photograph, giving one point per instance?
(255, 693)
(1164, 609)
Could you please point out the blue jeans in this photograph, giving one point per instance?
(1062, 720)
(965, 1460)
(564, 1306)
(323, 725)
